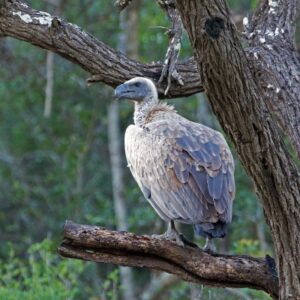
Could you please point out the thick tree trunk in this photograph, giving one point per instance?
(239, 102)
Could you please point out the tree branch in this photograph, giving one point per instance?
(190, 264)
(104, 63)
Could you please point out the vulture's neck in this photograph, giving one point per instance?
(142, 109)
(147, 111)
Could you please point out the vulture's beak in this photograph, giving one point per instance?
(123, 91)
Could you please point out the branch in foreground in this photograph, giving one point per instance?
(190, 264)
(104, 63)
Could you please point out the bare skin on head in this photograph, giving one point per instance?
(184, 169)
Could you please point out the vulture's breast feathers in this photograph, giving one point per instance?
(184, 169)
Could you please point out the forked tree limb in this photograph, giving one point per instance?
(190, 264)
(104, 63)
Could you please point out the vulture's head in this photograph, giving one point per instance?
(138, 89)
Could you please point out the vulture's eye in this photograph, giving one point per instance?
(137, 84)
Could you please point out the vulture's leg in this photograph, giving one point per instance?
(172, 235)
(209, 245)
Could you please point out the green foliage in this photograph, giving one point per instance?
(112, 284)
(41, 275)
(182, 291)
(247, 246)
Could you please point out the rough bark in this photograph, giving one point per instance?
(275, 60)
(230, 83)
(191, 264)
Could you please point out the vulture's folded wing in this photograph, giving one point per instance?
(184, 169)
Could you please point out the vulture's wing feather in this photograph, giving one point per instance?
(185, 169)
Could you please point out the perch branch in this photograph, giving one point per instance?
(190, 264)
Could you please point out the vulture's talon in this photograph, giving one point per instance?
(169, 237)
(172, 235)
(178, 238)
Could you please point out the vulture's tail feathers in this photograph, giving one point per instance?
(212, 230)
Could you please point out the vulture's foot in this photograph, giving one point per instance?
(172, 235)
(209, 245)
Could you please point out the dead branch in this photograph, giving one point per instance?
(103, 63)
(169, 71)
(190, 264)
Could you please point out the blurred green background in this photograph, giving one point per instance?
(58, 167)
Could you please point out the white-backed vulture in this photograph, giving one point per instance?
(184, 169)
